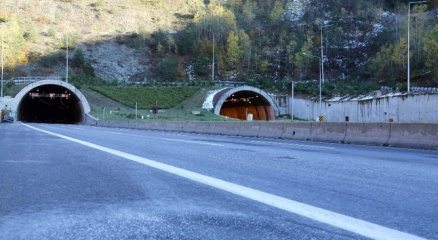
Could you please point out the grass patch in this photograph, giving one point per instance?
(147, 97)
(103, 107)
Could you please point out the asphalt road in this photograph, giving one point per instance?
(99, 183)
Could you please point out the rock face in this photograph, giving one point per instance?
(114, 61)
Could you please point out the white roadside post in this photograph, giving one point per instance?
(136, 110)
(292, 101)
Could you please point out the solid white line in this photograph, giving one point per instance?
(354, 225)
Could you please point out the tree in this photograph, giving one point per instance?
(380, 68)
(277, 12)
(245, 46)
(248, 12)
(233, 50)
(168, 68)
(431, 51)
(217, 20)
(304, 57)
(399, 57)
(14, 48)
(389, 64)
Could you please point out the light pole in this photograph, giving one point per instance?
(322, 52)
(409, 44)
(320, 81)
(2, 60)
(212, 64)
(66, 57)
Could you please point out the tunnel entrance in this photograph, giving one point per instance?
(242, 103)
(50, 104)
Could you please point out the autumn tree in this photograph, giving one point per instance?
(233, 50)
(431, 51)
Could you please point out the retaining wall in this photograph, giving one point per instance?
(412, 108)
(408, 135)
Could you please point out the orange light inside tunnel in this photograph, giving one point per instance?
(241, 104)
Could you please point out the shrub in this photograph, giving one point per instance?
(168, 68)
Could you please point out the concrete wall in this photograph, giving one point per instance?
(6, 103)
(404, 108)
(411, 135)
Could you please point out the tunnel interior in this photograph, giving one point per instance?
(242, 103)
(50, 104)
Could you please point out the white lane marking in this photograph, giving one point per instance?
(354, 225)
(292, 144)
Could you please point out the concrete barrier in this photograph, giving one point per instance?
(190, 127)
(417, 135)
(197, 127)
(173, 126)
(271, 130)
(249, 129)
(409, 135)
(297, 131)
(328, 132)
(226, 128)
(211, 128)
(368, 133)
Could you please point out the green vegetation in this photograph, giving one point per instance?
(267, 42)
(147, 97)
(264, 43)
(339, 88)
(106, 108)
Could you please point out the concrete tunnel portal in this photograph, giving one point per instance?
(239, 102)
(51, 101)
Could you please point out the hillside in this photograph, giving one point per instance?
(265, 43)
(102, 34)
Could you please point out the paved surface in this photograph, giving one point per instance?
(52, 188)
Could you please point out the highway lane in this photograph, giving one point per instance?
(395, 188)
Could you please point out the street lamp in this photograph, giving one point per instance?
(212, 63)
(322, 51)
(409, 44)
(2, 66)
(320, 80)
(66, 57)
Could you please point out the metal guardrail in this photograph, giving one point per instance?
(29, 80)
(189, 83)
(424, 89)
(414, 89)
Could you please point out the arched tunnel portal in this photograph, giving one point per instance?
(240, 101)
(51, 101)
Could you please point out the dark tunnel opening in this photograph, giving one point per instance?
(242, 103)
(50, 104)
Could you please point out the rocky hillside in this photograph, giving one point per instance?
(111, 36)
